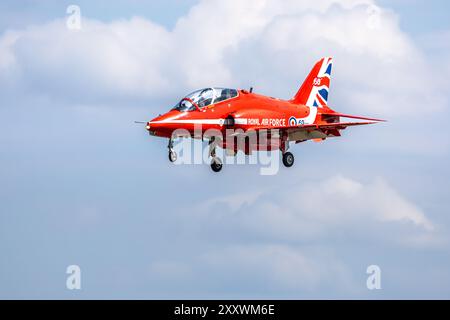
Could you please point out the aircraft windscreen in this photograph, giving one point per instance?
(184, 106)
(205, 97)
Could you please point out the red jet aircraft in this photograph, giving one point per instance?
(237, 114)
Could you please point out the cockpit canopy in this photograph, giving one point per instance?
(205, 97)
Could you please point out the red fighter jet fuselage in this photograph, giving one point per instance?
(238, 114)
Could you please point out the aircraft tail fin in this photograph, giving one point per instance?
(314, 91)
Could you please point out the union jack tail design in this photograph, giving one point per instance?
(314, 91)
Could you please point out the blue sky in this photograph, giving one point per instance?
(81, 184)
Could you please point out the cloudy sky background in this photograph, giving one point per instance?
(81, 184)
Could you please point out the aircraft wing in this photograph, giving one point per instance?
(336, 125)
(343, 115)
(314, 132)
(309, 127)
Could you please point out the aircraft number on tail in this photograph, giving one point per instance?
(317, 81)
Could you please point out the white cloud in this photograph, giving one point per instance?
(225, 42)
(280, 268)
(258, 270)
(292, 240)
(379, 71)
(378, 68)
(261, 237)
(100, 60)
(321, 210)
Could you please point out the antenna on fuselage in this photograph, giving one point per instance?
(251, 89)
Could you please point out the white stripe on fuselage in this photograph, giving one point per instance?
(194, 121)
(242, 121)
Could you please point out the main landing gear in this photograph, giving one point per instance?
(216, 162)
(288, 159)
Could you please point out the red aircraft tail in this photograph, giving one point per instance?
(314, 91)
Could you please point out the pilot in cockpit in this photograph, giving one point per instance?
(204, 97)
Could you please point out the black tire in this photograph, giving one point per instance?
(172, 156)
(216, 165)
(288, 159)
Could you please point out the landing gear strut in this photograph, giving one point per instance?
(172, 154)
(216, 163)
(288, 158)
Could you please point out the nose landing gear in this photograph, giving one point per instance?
(172, 154)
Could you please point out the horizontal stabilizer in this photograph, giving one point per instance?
(337, 125)
(309, 127)
(337, 114)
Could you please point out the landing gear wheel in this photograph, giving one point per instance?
(288, 159)
(172, 156)
(216, 164)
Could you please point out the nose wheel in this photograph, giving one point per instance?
(288, 159)
(172, 154)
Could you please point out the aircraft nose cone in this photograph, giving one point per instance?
(161, 126)
(160, 120)
(156, 122)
